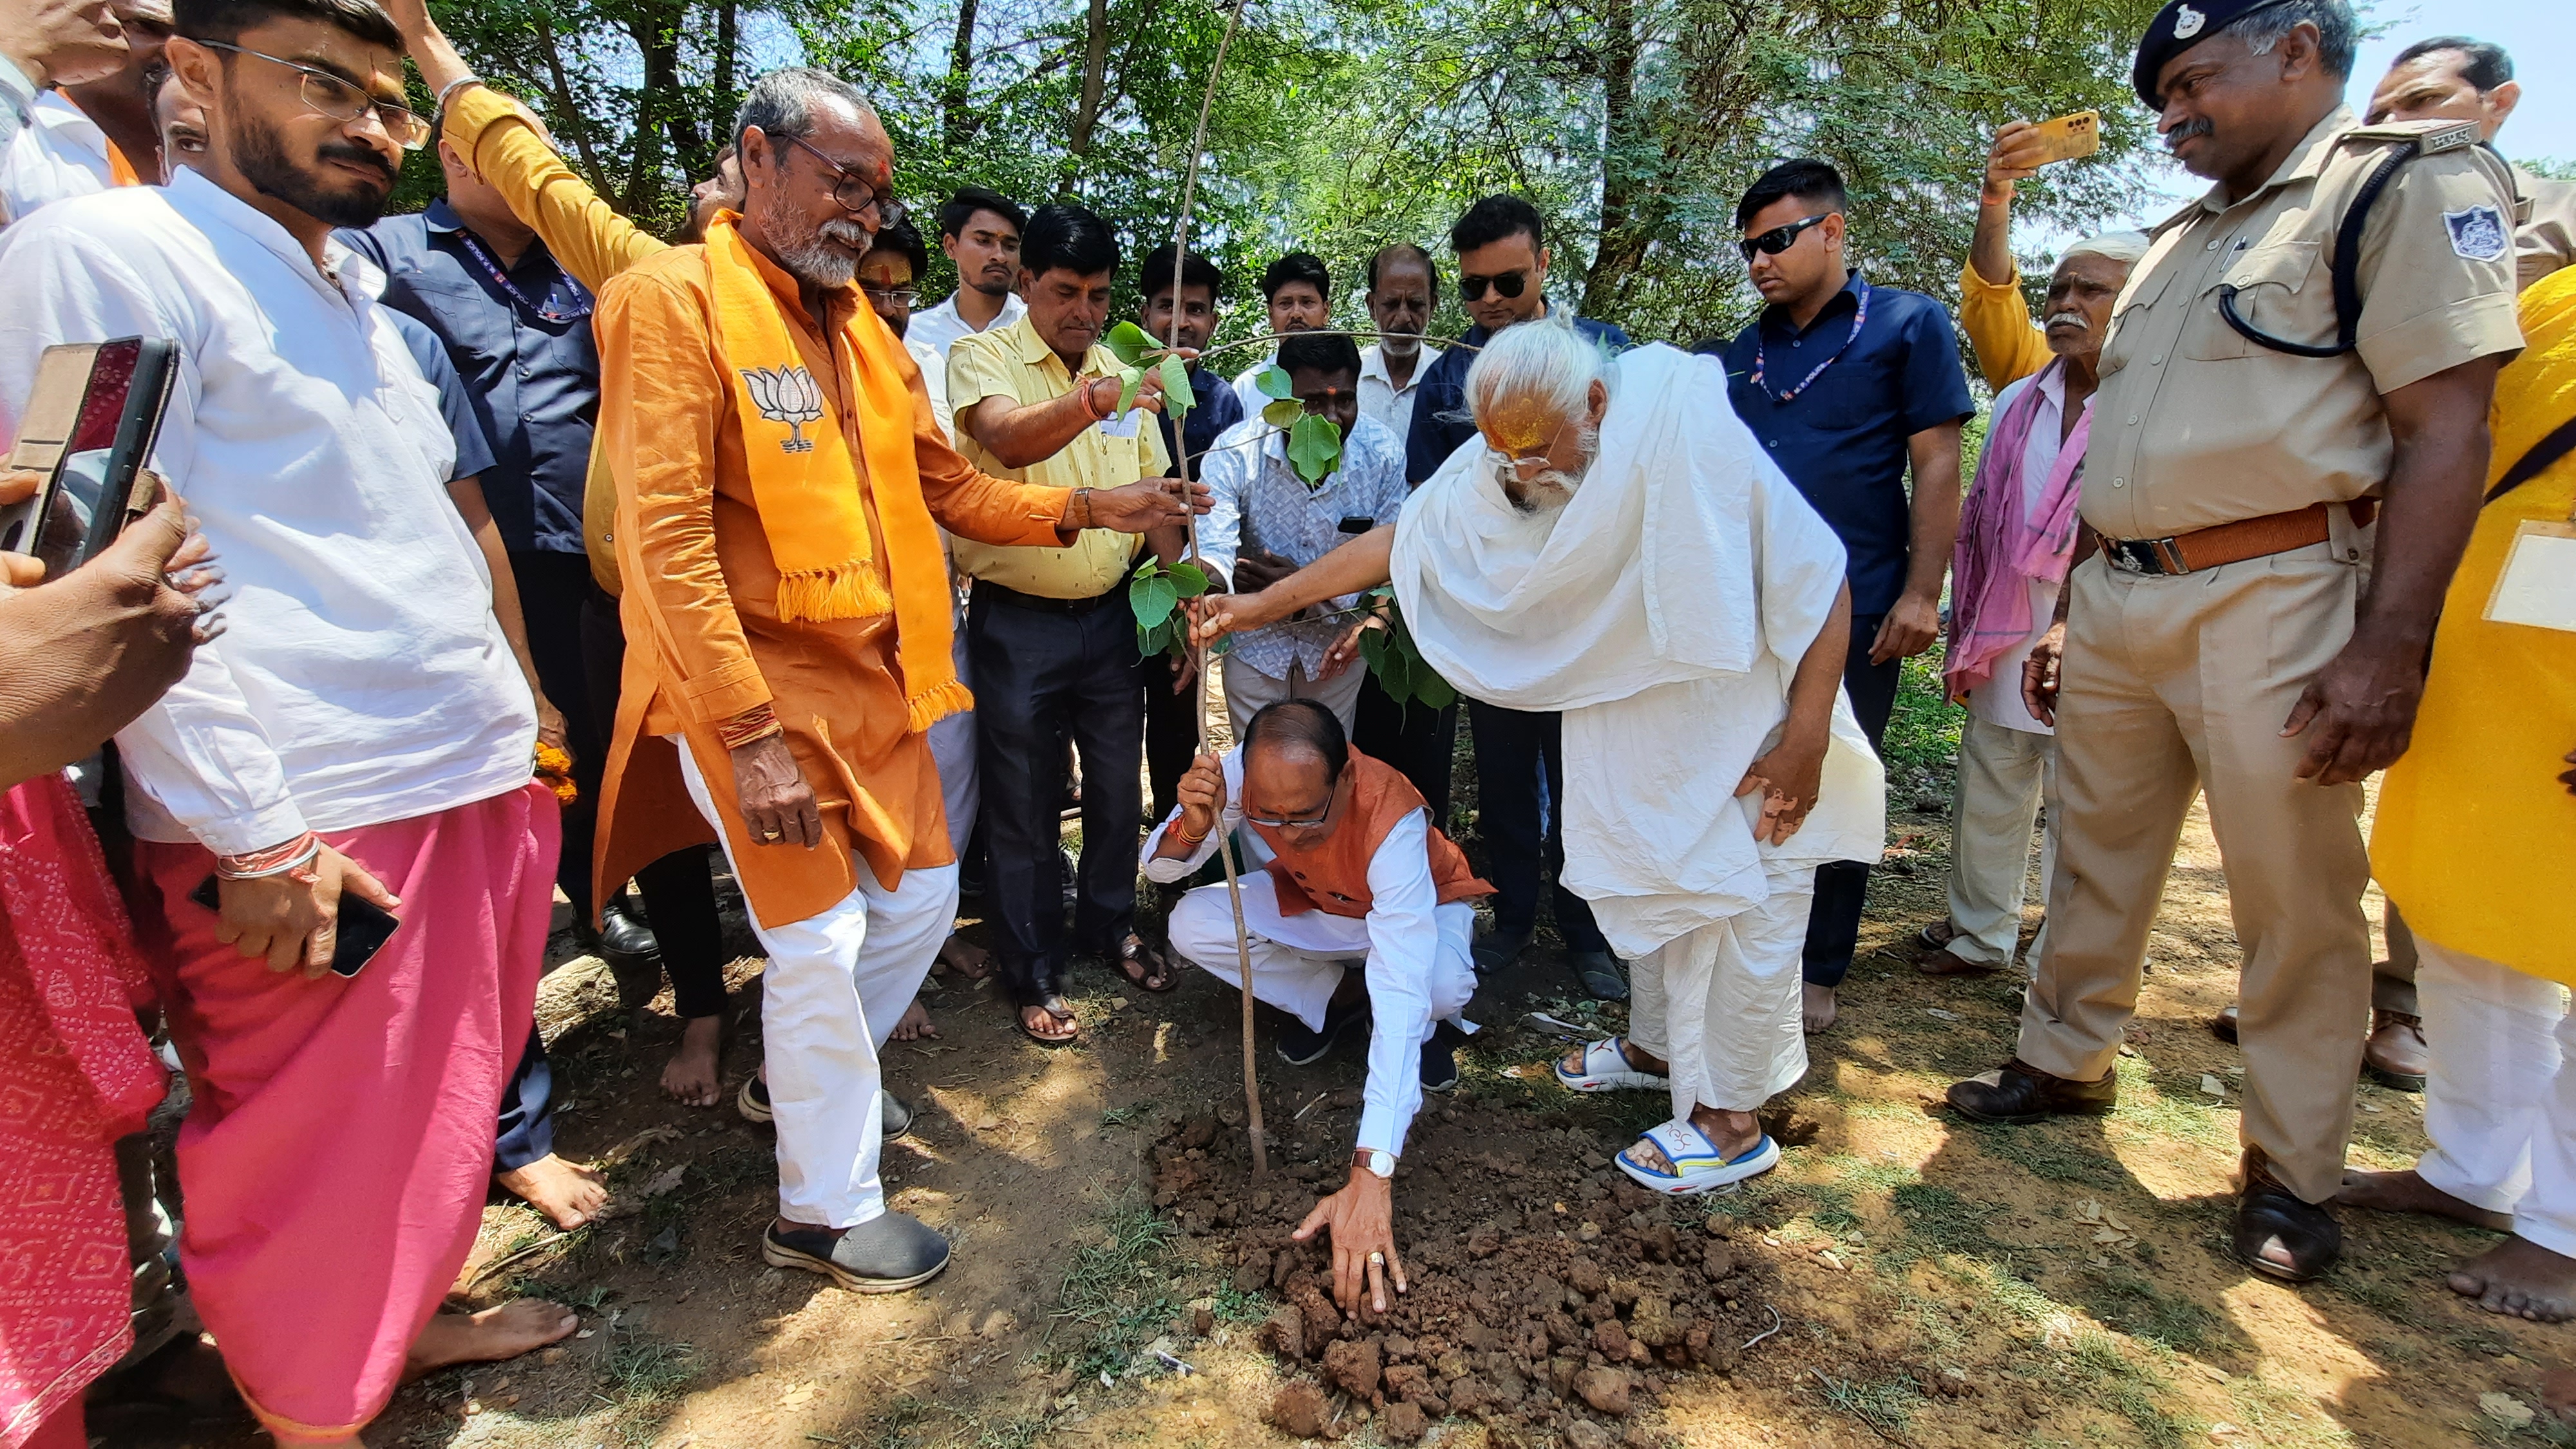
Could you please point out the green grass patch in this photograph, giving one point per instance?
(2131, 1303)
(2044, 1151)
(1883, 1404)
(1118, 1294)
(1923, 730)
(1941, 1220)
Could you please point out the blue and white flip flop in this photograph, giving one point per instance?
(1606, 1069)
(1701, 1168)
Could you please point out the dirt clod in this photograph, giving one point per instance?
(1584, 1434)
(1605, 1389)
(1353, 1368)
(1299, 1411)
(1404, 1423)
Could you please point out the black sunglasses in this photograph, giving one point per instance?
(1778, 239)
(1510, 284)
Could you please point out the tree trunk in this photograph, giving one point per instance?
(1620, 243)
(568, 117)
(1095, 78)
(954, 125)
(728, 47)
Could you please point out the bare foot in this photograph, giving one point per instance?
(1044, 1023)
(964, 957)
(1638, 1059)
(915, 1024)
(2520, 1279)
(1816, 1004)
(689, 1078)
(2405, 1192)
(567, 1193)
(2558, 1394)
(489, 1336)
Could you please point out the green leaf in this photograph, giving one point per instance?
(1177, 396)
(1314, 448)
(1150, 642)
(1151, 598)
(1130, 344)
(1129, 379)
(1188, 580)
(1273, 382)
(1218, 649)
(1433, 690)
(1282, 413)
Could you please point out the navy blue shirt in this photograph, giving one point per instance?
(1443, 391)
(1213, 409)
(1842, 438)
(534, 380)
(473, 450)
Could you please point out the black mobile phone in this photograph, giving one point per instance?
(89, 426)
(365, 927)
(1357, 524)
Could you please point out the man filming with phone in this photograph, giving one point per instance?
(360, 733)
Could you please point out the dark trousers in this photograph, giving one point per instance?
(1842, 886)
(1520, 811)
(1171, 732)
(1047, 670)
(527, 1110)
(1421, 743)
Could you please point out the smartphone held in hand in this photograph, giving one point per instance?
(2068, 137)
(89, 426)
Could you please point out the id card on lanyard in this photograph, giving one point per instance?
(2538, 584)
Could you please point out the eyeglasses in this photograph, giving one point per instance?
(330, 96)
(1510, 284)
(1313, 824)
(891, 296)
(1778, 239)
(856, 196)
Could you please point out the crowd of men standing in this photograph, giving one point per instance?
(512, 472)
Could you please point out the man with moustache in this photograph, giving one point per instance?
(117, 141)
(780, 487)
(1403, 291)
(979, 230)
(1297, 296)
(2282, 483)
(363, 729)
(1049, 635)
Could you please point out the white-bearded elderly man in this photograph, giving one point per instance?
(1614, 546)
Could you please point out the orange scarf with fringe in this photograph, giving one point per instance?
(806, 484)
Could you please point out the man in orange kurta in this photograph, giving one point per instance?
(791, 718)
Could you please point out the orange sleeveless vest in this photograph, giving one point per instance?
(1332, 876)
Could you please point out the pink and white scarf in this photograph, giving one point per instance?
(2001, 549)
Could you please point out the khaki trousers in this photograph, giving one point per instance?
(2173, 685)
(2004, 774)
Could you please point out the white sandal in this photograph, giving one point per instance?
(1699, 1167)
(1606, 1069)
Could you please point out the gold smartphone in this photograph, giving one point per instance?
(2069, 137)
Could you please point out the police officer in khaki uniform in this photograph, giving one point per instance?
(2455, 78)
(2280, 374)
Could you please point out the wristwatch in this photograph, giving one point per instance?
(1375, 1160)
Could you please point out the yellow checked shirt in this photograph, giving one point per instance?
(1015, 362)
(2196, 425)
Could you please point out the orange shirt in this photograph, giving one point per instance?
(704, 642)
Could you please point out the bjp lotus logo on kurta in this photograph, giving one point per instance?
(786, 395)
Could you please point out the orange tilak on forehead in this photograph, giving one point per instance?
(1520, 425)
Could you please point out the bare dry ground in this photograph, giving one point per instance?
(1936, 1284)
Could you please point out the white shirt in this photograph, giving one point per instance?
(1403, 939)
(1998, 700)
(1380, 398)
(934, 380)
(938, 329)
(62, 153)
(362, 677)
(1255, 494)
(1247, 389)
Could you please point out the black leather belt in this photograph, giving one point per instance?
(1040, 604)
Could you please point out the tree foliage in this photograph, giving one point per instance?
(1634, 124)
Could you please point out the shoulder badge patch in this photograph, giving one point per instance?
(2478, 233)
(2187, 22)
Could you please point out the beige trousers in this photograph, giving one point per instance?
(2177, 684)
(2003, 776)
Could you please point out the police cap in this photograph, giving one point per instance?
(2178, 27)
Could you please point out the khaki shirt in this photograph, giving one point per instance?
(2196, 425)
(1016, 363)
(2547, 241)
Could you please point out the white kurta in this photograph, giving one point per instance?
(1419, 969)
(1663, 611)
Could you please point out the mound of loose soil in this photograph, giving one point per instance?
(1550, 1295)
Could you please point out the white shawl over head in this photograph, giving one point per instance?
(1663, 610)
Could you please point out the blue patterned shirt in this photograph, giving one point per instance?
(1261, 503)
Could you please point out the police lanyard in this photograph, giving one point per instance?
(1860, 319)
(579, 299)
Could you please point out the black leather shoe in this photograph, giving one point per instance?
(1598, 972)
(2019, 1092)
(622, 938)
(2278, 1234)
(885, 1254)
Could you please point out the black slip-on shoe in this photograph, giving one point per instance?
(1299, 1047)
(885, 1254)
(753, 1100)
(2223, 1025)
(896, 1114)
(2018, 1092)
(1440, 1060)
(1599, 973)
(2304, 1235)
(1493, 950)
